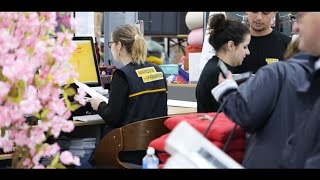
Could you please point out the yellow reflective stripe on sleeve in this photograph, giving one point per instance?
(147, 91)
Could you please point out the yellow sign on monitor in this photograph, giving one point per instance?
(84, 62)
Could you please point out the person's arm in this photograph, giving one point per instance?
(251, 104)
(208, 80)
(113, 112)
(308, 140)
(312, 160)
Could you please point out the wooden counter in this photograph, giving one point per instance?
(180, 110)
(182, 85)
(89, 123)
(5, 156)
(172, 110)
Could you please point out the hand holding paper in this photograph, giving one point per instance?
(95, 101)
(90, 91)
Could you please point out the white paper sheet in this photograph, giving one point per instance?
(90, 91)
(178, 103)
(86, 118)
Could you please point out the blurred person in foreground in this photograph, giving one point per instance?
(272, 104)
(302, 148)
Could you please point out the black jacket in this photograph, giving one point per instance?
(132, 100)
(207, 81)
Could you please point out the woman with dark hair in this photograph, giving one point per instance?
(230, 39)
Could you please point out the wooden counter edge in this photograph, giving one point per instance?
(88, 123)
(182, 85)
(5, 156)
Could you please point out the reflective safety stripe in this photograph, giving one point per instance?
(147, 91)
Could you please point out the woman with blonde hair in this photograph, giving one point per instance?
(138, 90)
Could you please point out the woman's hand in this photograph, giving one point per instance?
(221, 78)
(95, 101)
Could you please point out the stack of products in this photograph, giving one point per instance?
(154, 54)
(217, 134)
(194, 21)
(82, 146)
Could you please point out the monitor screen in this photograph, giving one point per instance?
(85, 61)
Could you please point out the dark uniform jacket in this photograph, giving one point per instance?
(272, 45)
(207, 81)
(147, 92)
(145, 97)
(265, 106)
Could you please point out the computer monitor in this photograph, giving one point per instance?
(85, 61)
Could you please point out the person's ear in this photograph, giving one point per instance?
(119, 46)
(230, 46)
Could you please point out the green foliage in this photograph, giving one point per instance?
(38, 81)
(44, 113)
(16, 92)
(55, 164)
(3, 131)
(63, 28)
(70, 91)
(2, 77)
(74, 106)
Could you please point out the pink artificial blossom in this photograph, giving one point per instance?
(44, 125)
(51, 150)
(4, 89)
(66, 115)
(68, 126)
(27, 162)
(34, 67)
(57, 106)
(39, 166)
(36, 158)
(67, 158)
(37, 136)
(80, 96)
(5, 119)
(21, 138)
(7, 145)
